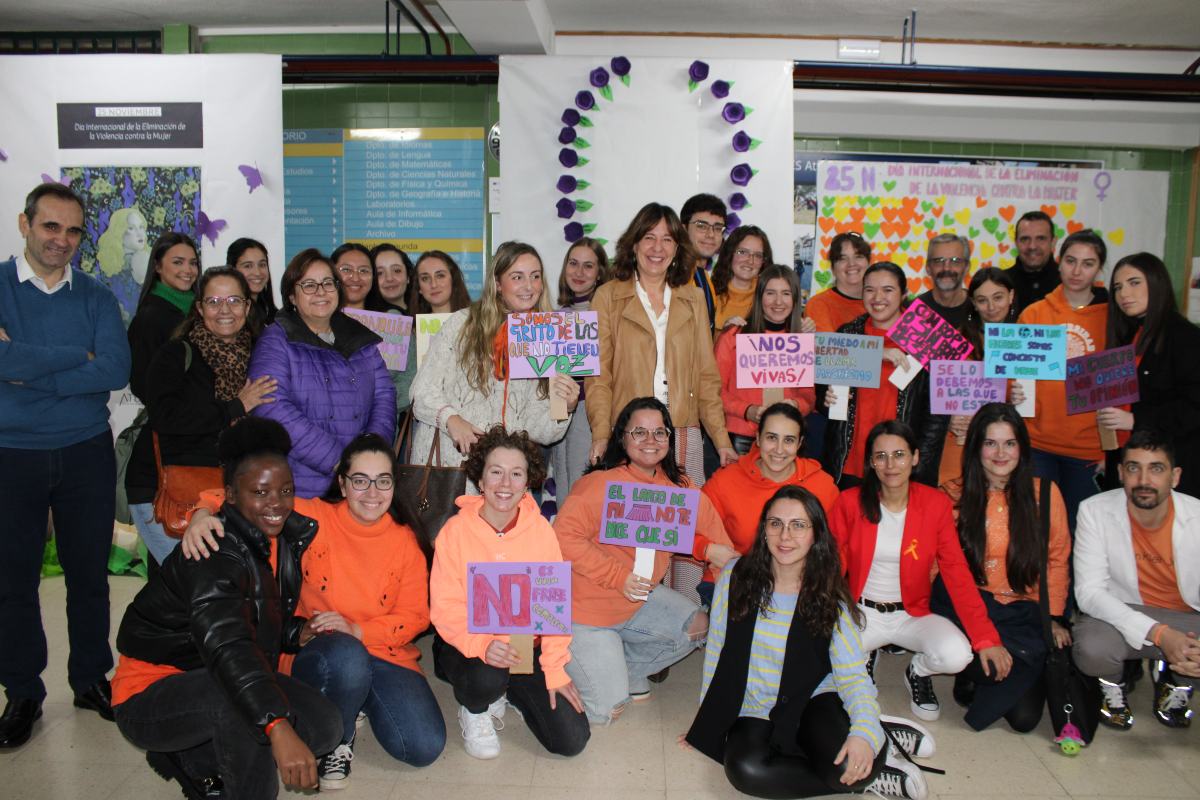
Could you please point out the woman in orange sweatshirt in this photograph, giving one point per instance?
(1066, 449)
(997, 508)
(502, 523)
(366, 590)
(627, 625)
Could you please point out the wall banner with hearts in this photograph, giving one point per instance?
(899, 207)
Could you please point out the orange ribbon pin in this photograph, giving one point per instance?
(912, 550)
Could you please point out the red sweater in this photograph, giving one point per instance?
(737, 401)
(930, 540)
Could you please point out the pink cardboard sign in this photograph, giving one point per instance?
(1102, 380)
(542, 344)
(519, 597)
(774, 360)
(396, 330)
(649, 515)
(926, 335)
(959, 387)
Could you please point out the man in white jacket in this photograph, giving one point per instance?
(1137, 581)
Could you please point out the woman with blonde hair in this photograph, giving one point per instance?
(463, 386)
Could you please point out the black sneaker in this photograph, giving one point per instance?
(334, 769)
(169, 767)
(1114, 708)
(899, 778)
(1170, 700)
(911, 737)
(924, 702)
(964, 691)
(872, 657)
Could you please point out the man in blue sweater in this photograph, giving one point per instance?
(62, 351)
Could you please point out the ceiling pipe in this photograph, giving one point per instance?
(402, 9)
(420, 4)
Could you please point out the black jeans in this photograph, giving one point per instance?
(76, 484)
(755, 768)
(191, 715)
(561, 730)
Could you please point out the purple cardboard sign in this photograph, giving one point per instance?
(544, 343)
(1102, 380)
(959, 387)
(395, 330)
(926, 335)
(532, 597)
(774, 360)
(650, 515)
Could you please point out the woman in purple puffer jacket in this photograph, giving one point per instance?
(332, 382)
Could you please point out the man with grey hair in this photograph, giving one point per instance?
(947, 262)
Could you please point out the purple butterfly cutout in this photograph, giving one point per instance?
(253, 177)
(47, 179)
(210, 228)
(3, 154)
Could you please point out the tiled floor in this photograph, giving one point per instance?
(75, 754)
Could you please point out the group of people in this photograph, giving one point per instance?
(292, 608)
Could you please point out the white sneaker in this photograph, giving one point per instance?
(334, 768)
(899, 778)
(479, 734)
(913, 737)
(360, 720)
(496, 711)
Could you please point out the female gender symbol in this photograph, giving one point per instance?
(1102, 181)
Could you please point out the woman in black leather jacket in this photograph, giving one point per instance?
(197, 681)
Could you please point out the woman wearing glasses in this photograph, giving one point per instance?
(735, 275)
(353, 264)
(196, 385)
(627, 624)
(892, 532)
(332, 383)
(366, 595)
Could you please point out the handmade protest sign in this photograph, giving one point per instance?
(959, 387)
(649, 515)
(847, 359)
(394, 329)
(427, 326)
(510, 597)
(926, 335)
(1012, 350)
(1102, 380)
(774, 360)
(541, 344)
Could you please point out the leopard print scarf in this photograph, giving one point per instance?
(228, 360)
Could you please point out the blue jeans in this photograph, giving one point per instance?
(157, 542)
(400, 706)
(1075, 477)
(608, 663)
(77, 484)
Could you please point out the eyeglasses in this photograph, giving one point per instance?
(234, 301)
(362, 272)
(742, 252)
(707, 227)
(954, 262)
(311, 287)
(900, 457)
(795, 527)
(360, 482)
(639, 434)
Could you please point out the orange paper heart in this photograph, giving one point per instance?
(917, 262)
(826, 223)
(1073, 226)
(1050, 211)
(980, 202)
(1007, 212)
(915, 285)
(857, 214)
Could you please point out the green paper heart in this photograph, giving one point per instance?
(583, 205)
(823, 278)
(926, 205)
(947, 219)
(870, 229)
(870, 200)
(606, 92)
(973, 232)
(904, 244)
(929, 223)
(584, 122)
(889, 185)
(991, 224)
(580, 143)
(1059, 232)
(625, 79)
(1000, 235)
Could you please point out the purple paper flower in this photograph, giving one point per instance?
(620, 66)
(720, 89)
(569, 158)
(598, 77)
(573, 231)
(585, 101)
(697, 72)
(733, 113)
(566, 184)
(566, 208)
(741, 175)
(732, 221)
(571, 117)
(737, 201)
(741, 141)
(567, 135)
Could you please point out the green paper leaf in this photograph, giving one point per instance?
(584, 122)
(692, 86)
(605, 241)
(589, 227)
(753, 172)
(581, 162)
(580, 143)
(749, 110)
(606, 92)
(582, 184)
(755, 143)
(625, 79)
(582, 205)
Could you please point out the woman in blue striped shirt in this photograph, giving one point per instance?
(786, 703)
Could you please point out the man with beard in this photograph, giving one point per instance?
(947, 262)
(1035, 273)
(1137, 580)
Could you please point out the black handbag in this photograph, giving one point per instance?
(1072, 697)
(430, 489)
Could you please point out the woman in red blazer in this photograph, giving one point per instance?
(892, 533)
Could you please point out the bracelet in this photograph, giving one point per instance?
(272, 724)
(1157, 638)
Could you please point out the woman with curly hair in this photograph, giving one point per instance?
(463, 388)
(735, 277)
(503, 524)
(786, 704)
